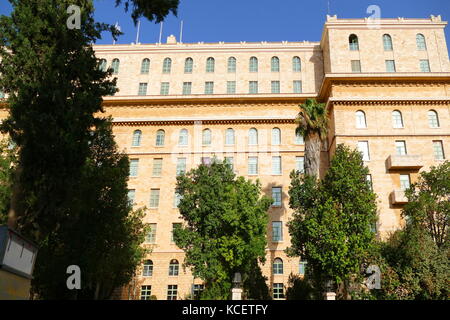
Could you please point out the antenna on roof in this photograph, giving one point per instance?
(138, 29)
(181, 32)
(160, 32)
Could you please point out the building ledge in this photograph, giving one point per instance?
(394, 162)
(398, 197)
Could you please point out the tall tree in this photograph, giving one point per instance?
(225, 226)
(331, 225)
(7, 165)
(312, 122)
(428, 204)
(153, 10)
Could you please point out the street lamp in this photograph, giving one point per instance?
(236, 292)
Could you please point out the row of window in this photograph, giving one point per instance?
(275, 87)
(397, 119)
(210, 65)
(230, 137)
(172, 292)
(252, 164)
(353, 42)
(424, 65)
(400, 147)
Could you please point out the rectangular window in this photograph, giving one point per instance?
(252, 165)
(253, 87)
(299, 139)
(134, 164)
(438, 150)
(206, 160)
(181, 166)
(276, 165)
(405, 182)
(363, 147)
(231, 87)
(154, 198)
(278, 291)
(369, 181)
(164, 88)
(277, 231)
(157, 167)
(425, 66)
(187, 87)
(146, 292)
(142, 89)
(302, 267)
(300, 164)
(209, 87)
(400, 148)
(131, 195)
(197, 289)
(151, 235)
(230, 162)
(356, 66)
(276, 196)
(275, 85)
(176, 200)
(174, 226)
(172, 292)
(298, 86)
(390, 66)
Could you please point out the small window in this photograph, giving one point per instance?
(154, 198)
(142, 89)
(277, 231)
(433, 119)
(360, 119)
(197, 289)
(253, 136)
(183, 137)
(148, 268)
(252, 165)
(276, 165)
(276, 196)
(209, 87)
(276, 136)
(146, 292)
(167, 65)
(188, 65)
(363, 147)
(438, 150)
(205, 160)
(353, 42)
(275, 86)
(172, 292)
(405, 182)
(187, 87)
(275, 64)
(387, 42)
(299, 138)
(425, 65)
(230, 162)
(390, 66)
(231, 87)
(231, 64)
(181, 166)
(253, 67)
(421, 43)
(400, 148)
(277, 266)
(157, 167)
(134, 163)
(151, 235)
(101, 66)
(131, 195)
(206, 137)
(296, 64)
(356, 66)
(137, 134)
(177, 199)
(369, 181)
(174, 227)
(300, 164)
(302, 267)
(173, 267)
(160, 135)
(210, 62)
(253, 87)
(145, 66)
(297, 84)
(164, 88)
(278, 291)
(115, 66)
(397, 119)
(229, 137)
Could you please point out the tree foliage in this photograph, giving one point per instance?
(7, 164)
(225, 226)
(153, 10)
(331, 225)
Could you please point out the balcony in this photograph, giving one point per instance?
(398, 197)
(404, 162)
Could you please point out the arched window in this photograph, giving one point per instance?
(387, 42)
(167, 65)
(229, 136)
(275, 64)
(145, 66)
(173, 267)
(231, 64)
(183, 138)
(361, 119)
(115, 66)
(253, 67)
(296, 64)
(206, 137)
(433, 119)
(210, 64)
(277, 266)
(253, 136)
(276, 136)
(102, 65)
(421, 42)
(136, 138)
(353, 42)
(160, 135)
(148, 268)
(188, 65)
(397, 120)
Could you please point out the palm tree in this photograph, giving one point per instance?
(312, 124)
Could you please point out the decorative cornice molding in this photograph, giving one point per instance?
(192, 121)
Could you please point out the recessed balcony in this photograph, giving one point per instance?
(404, 162)
(398, 197)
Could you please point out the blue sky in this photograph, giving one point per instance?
(257, 20)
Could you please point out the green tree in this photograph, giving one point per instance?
(225, 226)
(7, 165)
(331, 224)
(428, 204)
(312, 124)
(151, 9)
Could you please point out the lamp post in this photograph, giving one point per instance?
(236, 292)
(329, 294)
